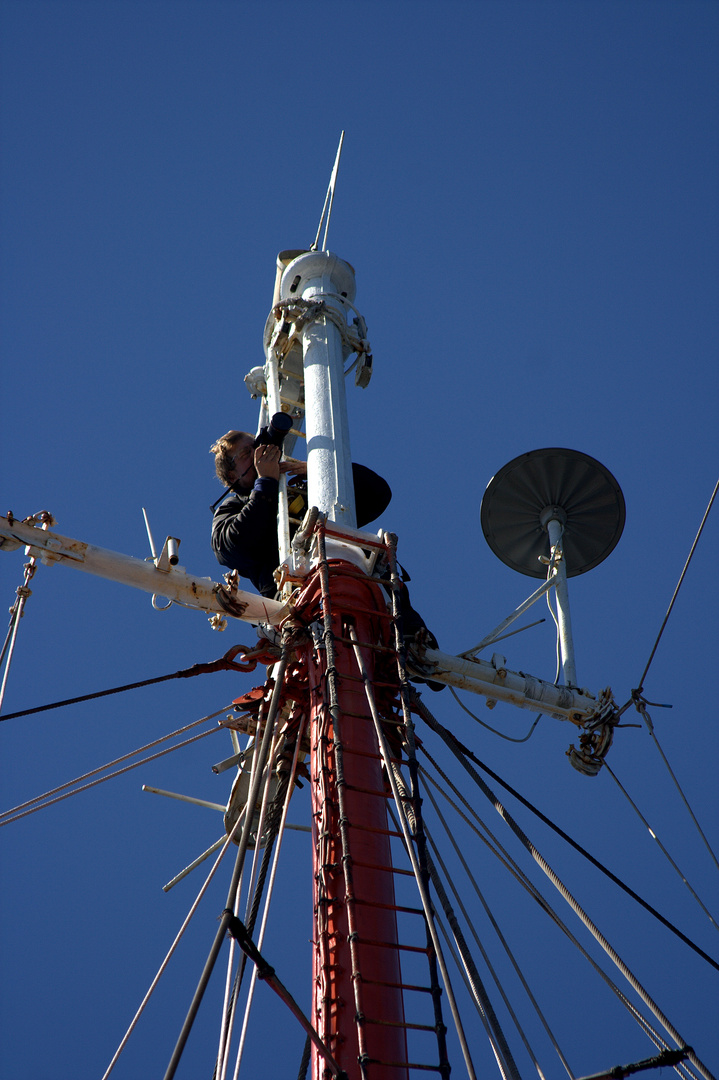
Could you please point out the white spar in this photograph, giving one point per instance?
(174, 583)
(495, 682)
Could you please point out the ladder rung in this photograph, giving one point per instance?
(373, 791)
(386, 869)
(401, 1024)
(375, 682)
(391, 907)
(368, 791)
(392, 945)
(391, 721)
(400, 986)
(372, 829)
(404, 1065)
(366, 645)
(374, 757)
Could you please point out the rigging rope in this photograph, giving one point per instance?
(16, 613)
(641, 704)
(582, 851)
(502, 940)
(640, 701)
(6, 818)
(175, 943)
(278, 821)
(465, 977)
(224, 663)
(334, 712)
(229, 1010)
(268, 833)
(479, 995)
(559, 885)
(667, 1057)
(654, 836)
(390, 541)
(510, 864)
(676, 591)
(227, 914)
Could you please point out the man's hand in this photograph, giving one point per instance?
(267, 461)
(293, 467)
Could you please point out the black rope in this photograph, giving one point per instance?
(89, 697)
(447, 735)
(223, 664)
(304, 1064)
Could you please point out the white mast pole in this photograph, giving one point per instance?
(322, 276)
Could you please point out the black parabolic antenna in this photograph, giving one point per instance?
(513, 510)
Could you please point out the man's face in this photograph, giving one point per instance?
(243, 454)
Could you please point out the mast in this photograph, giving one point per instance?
(357, 998)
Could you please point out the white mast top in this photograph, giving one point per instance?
(322, 276)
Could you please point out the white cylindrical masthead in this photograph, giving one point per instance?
(320, 275)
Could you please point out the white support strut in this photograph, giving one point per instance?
(174, 583)
(499, 684)
(555, 530)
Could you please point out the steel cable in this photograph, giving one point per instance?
(501, 937)
(664, 851)
(510, 864)
(590, 858)
(562, 889)
(280, 810)
(6, 819)
(676, 591)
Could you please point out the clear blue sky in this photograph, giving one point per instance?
(528, 193)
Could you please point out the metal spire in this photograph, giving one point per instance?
(329, 199)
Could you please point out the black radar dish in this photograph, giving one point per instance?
(520, 499)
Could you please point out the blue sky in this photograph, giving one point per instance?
(528, 194)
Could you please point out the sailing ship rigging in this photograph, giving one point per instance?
(338, 693)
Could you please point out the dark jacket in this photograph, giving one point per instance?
(244, 528)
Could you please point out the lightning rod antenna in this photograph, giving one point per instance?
(149, 534)
(329, 199)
